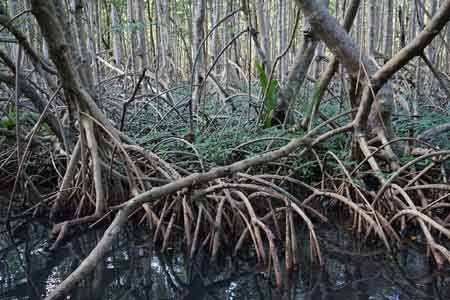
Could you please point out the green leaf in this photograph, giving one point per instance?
(270, 101)
(6, 123)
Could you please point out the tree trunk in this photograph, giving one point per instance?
(198, 52)
(117, 36)
(214, 45)
(372, 25)
(85, 57)
(283, 38)
(431, 49)
(323, 82)
(164, 52)
(289, 94)
(13, 10)
(302, 62)
(142, 49)
(389, 28)
(262, 17)
(132, 34)
(360, 27)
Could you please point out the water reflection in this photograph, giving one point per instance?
(133, 271)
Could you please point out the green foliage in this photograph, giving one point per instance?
(26, 117)
(270, 102)
(407, 158)
(218, 148)
(8, 121)
(305, 168)
(119, 3)
(218, 145)
(428, 119)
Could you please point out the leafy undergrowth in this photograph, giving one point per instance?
(264, 203)
(227, 136)
(405, 125)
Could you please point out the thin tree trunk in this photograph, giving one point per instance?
(325, 79)
(389, 28)
(197, 52)
(447, 53)
(372, 25)
(131, 34)
(289, 94)
(164, 51)
(94, 44)
(283, 37)
(262, 15)
(117, 36)
(215, 46)
(13, 10)
(360, 27)
(142, 49)
(431, 49)
(264, 59)
(85, 70)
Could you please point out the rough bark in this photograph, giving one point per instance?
(215, 45)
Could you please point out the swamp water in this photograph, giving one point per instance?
(133, 271)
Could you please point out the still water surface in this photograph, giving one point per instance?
(132, 270)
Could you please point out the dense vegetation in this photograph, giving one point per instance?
(223, 126)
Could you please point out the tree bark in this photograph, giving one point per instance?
(323, 82)
(372, 25)
(283, 38)
(389, 28)
(131, 34)
(85, 70)
(142, 53)
(198, 53)
(116, 33)
(345, 49)
(262, 17)
(289, 94)
(302, 62)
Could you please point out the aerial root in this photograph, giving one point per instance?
(244, 206)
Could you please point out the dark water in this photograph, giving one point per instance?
(133, 271)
